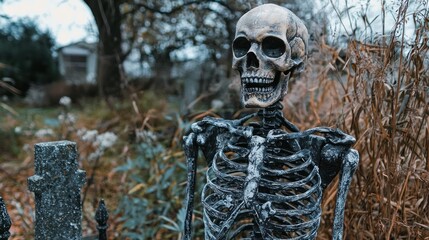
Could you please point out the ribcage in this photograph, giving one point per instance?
(291, 182)
(286, 204)
(223, 192)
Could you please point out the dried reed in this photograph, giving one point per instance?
(379, 92)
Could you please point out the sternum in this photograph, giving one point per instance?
(256, 159)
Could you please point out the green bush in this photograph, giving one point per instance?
(26, 54)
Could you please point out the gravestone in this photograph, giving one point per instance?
(5, 222)
(57, 185)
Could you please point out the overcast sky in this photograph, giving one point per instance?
(71, 20)
(68, 20)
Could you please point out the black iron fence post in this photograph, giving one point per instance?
(101, 216)
(5, 222)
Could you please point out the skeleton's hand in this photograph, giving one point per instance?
(338, 137)
(210, 126)
(205, 132)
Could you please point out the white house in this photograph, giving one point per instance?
(77, 62)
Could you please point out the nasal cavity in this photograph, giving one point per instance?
(252, 60)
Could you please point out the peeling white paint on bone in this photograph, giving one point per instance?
(256, 159)
(267, 211)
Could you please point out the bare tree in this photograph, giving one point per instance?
(155, 28)
(108, 18)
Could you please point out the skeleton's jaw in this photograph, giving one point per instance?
(263, 91)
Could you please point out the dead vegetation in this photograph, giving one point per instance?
(376, 90)
(380, 94)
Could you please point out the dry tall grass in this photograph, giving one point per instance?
(377, 91)
(380, 91)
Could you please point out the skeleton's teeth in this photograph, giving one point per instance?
(257, 80)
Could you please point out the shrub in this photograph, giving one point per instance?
(26, 51)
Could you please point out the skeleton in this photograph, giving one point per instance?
(265, 179)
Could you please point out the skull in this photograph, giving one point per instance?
(270, 44)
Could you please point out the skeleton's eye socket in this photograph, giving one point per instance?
(273, 47)
(240, 46)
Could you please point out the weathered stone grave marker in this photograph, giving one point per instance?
(5, 222)
(57, 184)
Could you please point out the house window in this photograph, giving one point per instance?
(75, 68)
(76, 62)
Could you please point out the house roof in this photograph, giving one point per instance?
(78, 48)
